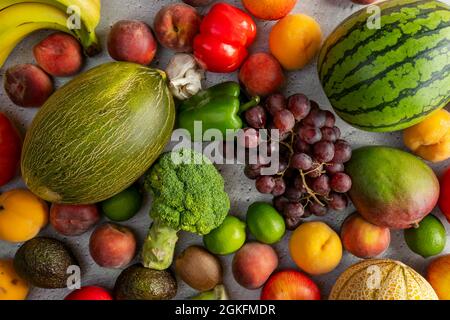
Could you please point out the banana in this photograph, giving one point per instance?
(89, 9)
(89, 16)
(19, 20)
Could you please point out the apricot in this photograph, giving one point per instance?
(27, 85)
(59, 55)
(132, 41)
(269, 9)
(253, 264)
(112, 246)
(261, 75)
(22, 215)
(176, 25)
(430, 139)
(295, 40)
(364, 239)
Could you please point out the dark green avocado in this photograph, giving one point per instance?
(44, 262)
(139, 283)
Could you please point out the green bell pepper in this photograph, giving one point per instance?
(218, 107)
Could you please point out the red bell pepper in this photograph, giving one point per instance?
(225, 34)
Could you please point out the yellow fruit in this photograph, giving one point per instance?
(381, 280)
(295, 40)
(315, 248)
(438, 274)
(22, 215)
(430, 139)
(12, 287)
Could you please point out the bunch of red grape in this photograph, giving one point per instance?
(311, 177)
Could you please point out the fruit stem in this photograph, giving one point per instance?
(310, 192)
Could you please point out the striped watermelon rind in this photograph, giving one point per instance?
(390, 78)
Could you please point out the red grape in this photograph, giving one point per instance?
(293, 194)
(302, 146)
(309, 134)
(293, 212)
(280, 203)
(337, 131)
(284, 120)
(279, 188)
(330, 119)
(275, 102)
(317, 209)
(333, 168)
(342, 151)
(321, 185)
(316, 118)
(301, 161)
(338, 201)
(299, 185)
(265, 184)
(323, 151)
(256, 117)
(341, 182)
(328, 134)
(299, 105)
(249, 138)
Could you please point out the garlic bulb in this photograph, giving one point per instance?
(185, 76)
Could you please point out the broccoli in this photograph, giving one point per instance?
(188, 194)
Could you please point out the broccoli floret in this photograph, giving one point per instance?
(188, 194)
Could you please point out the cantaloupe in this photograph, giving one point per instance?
(381, 280)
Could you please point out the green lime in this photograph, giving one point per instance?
(265, 223)
(124, 205)
(428, 239)
(227, 238)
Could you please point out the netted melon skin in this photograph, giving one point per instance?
(378, 279)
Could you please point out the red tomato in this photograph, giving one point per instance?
(89, 293)
(290, 285)
(444, 197)
(10, 148)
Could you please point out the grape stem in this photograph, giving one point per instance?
(308, 189)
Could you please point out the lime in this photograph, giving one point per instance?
(227, 238)
(428, 239)
(122, 206)
(265, 223)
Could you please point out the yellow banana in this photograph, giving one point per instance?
(89, 9)
(89, 15)
(19, 20)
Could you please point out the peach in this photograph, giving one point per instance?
(261, 74)
(27, 85)
(253, 264)
(176, 25)
(112, 246)
(133, 41)
(269, 9)
(73, 220)
(362, 238)
(59, 55)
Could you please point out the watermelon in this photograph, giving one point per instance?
(98, 134)
(389, 78)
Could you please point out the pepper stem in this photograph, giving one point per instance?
(254, 101)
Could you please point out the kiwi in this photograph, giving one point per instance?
(199, 268)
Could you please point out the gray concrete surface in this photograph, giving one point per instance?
(241, 190)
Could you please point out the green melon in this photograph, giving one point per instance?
(389, 78)
(98, 134)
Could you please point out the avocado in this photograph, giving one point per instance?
(44, 262)
(139, 283)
